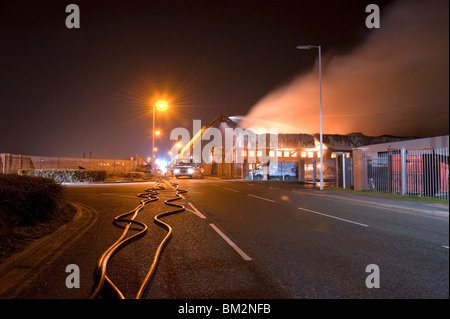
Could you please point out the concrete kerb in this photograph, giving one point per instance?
(125, 182)
(19, 257)
(374, 202)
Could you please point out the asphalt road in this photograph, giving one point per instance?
(245, 240)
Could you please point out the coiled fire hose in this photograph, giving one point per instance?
(149, 196)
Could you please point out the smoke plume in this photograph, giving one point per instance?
(396, 82)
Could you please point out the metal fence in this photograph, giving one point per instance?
(12, 163)
(419, 172)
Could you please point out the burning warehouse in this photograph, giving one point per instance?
(239, 153)
(296, 156)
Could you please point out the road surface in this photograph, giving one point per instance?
(244, 240)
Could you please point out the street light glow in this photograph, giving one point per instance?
(161, 105)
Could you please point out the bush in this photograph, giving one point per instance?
(30, 208)
(139, 175)
(26, 200)
(68, 176)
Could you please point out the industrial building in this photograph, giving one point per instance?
(293, 157)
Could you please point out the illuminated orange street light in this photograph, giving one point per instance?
(161, 105)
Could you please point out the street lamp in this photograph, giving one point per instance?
(161, 106)
(308, 47)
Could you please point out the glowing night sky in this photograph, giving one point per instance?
(65, 92)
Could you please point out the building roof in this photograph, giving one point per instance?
(333, 142)
(350, 141)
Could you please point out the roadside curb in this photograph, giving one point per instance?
(107, 183)
(434, 213)
(19, 257)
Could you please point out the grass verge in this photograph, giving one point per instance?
(30, 208)
(380, 194)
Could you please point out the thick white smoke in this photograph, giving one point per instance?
(396, 82)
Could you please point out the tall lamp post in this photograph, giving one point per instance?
(160, 105)
(308, 47)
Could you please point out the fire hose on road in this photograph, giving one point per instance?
(150, 195)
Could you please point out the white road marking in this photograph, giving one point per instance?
(269, 200)
(326, 215)
(175, 189)
(196, 211)
(214, 185)
(228, 240)
(233, 190)
(445, 246)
